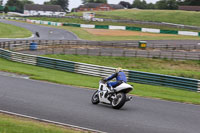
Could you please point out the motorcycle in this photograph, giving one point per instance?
(117, 98)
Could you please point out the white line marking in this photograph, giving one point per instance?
(13, 75)
(49, 121)
(32, 36)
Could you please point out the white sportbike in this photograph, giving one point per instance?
(117, 98)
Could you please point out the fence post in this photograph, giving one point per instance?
(63, 49)
(52, 50)
(136, 53)
(160, 54)
(172, 55)
(76, 51)
(167, 46)
(199, 57)
(100, 52)
(124, 53)
(185, 56)
(87, 50)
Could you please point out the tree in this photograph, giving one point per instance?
(24, 2)
(140, 4)
(1, 2)
(191, 2)
(63, 3)
(167, 4)
(94, 1)
(6, 9)
(125, 4)
(151, 6)
(19, 4)
(51, 2)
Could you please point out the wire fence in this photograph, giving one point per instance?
(106, 48)
(116, 44)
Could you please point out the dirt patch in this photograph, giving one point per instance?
(103, 32)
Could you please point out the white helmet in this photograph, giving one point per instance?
(119, 69)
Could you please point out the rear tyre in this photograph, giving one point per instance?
(95, 98)
(119, 101)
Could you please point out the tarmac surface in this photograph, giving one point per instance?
(45, 33)
(72, 105)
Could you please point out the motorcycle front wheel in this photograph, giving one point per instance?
(119, 101)
(95, 98)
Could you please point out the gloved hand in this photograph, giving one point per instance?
(104, 80)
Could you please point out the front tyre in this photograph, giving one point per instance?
(95, 98)
(119, 101)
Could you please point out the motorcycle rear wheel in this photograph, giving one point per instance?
(119, 101)
(95, 98)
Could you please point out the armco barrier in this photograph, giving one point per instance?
(101, 27)
(56, 64)
(101, 71)
(5, 54)
(164, 80)
(23, 58)
(169, 32)
(133, 28)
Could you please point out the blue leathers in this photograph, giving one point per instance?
(120, 77)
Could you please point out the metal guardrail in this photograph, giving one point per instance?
(163, 80)
(101, 71)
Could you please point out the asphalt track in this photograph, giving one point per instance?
(71, 105)
(46, 33)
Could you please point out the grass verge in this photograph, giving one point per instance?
(187, 68)
(81, 21)
(67, 78)
(13, 124)
(11, 31)
(83, 34)
(170, 16)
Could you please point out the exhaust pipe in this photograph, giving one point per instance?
(129, 99)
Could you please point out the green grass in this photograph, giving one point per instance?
(81, 21)
(10, 31)
(11, 124)
(170, 16)
(187, 68)
(62, 77)
(83, 34)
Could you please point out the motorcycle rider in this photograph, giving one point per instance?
(120, 78)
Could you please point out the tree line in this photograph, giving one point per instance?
(140, 4)
(19, 4)
(164, 4)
